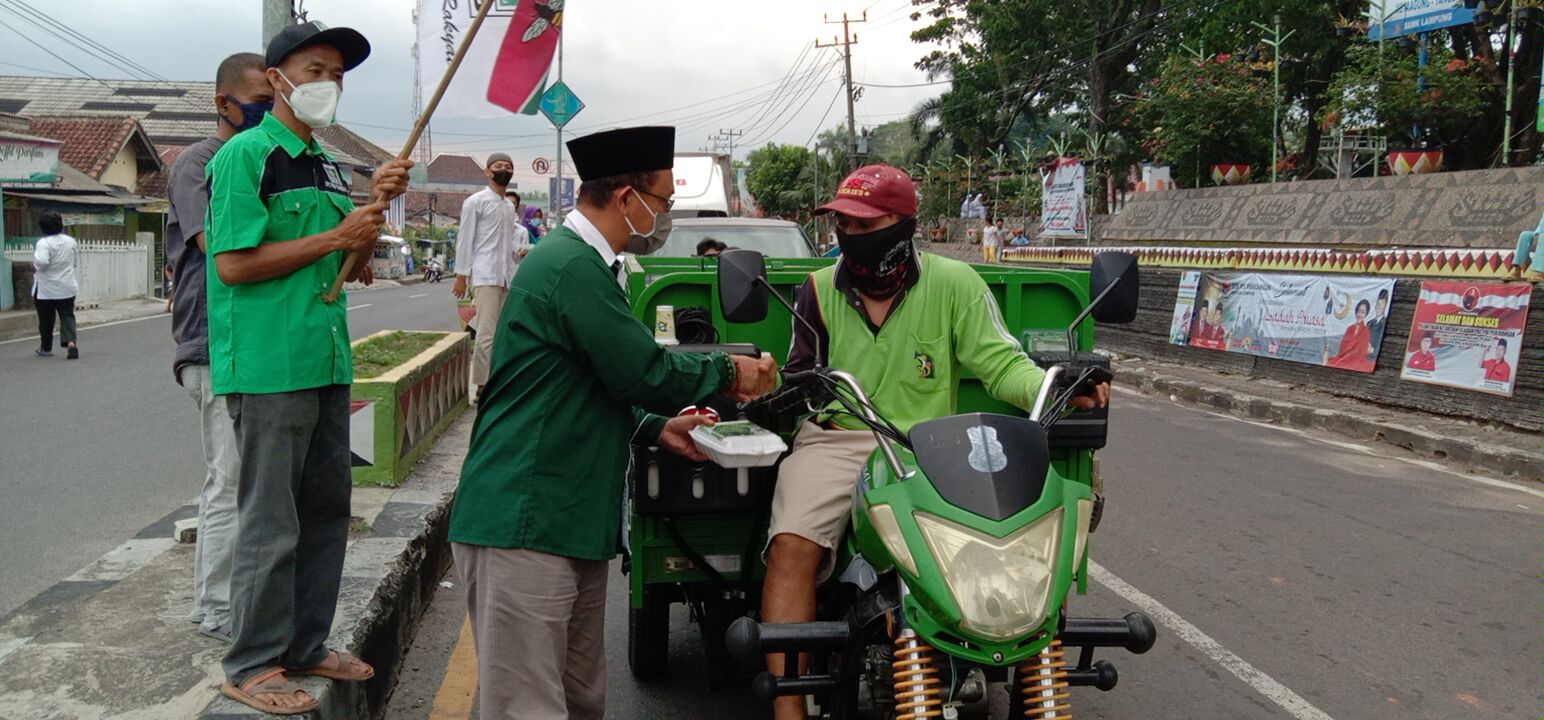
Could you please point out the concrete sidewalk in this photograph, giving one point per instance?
(1492, 450)
(23, 323)
(114, 641)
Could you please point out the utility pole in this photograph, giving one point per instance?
(1275, 41)
(277, 15)
(729, 138)
(846, 42)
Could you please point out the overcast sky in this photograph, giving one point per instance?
(624, 59)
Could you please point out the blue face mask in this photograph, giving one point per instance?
(251, 114)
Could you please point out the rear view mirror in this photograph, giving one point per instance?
(742, 286)
(1113, 281)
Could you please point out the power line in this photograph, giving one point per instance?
(809, 95)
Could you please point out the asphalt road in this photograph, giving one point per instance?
(94, 450)
(1292, 576)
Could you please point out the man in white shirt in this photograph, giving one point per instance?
(489, 248)
(54, 287)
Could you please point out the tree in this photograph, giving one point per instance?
(780, 178)
(1198, 113)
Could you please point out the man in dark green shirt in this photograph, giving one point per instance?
(574, 377)
(279, 223)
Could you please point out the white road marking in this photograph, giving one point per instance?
(1274, 691)
(361, 305)
(1365, 450)
(419, 295)
(84, 328)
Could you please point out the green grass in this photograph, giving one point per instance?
(379, 355)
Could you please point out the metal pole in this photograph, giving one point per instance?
(557, 195)
(277, 15)
(1276, 98)
(1420, 79)
(1511, 69)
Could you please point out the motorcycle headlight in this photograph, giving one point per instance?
(1001, 585)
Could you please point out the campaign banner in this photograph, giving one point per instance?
(1322, 320)
(1467, 335)
(1184, 308)
(1064, 204)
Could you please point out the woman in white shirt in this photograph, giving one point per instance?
(54, 287)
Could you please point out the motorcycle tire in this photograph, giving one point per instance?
(648, 636)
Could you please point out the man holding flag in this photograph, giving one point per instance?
(280, 221)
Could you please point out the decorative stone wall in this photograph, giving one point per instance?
(1475, 209)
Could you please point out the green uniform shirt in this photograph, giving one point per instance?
(267, 186)
(911, 367)
(570, 367)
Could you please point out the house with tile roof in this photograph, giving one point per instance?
(173, 114)
(114, 151)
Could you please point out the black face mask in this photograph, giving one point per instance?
(502, 177)
(878, 261)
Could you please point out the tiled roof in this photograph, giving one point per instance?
(91, 143)
(177, 113)
(457, 169)
(350, 142)
(446, 204)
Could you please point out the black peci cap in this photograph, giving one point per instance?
(619, 152)
(347, 41)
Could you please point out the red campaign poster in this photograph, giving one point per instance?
(1467, 335)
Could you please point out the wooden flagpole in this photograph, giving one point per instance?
(354, 258)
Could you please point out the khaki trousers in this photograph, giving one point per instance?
(489, 300)
(539, 623)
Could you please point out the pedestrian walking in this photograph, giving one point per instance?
(54, 287)
(991, 240)
(487, 256)
(280, 222)
(537, 515)
(242, 97)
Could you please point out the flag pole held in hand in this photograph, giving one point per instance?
(354, 258)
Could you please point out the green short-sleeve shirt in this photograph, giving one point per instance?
(268, 186)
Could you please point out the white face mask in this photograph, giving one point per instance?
(314, 103)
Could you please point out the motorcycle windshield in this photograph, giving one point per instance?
(990, 465)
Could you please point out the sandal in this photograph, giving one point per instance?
(269, 682)
(358, 669)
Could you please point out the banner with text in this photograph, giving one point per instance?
(1064, 208)
(1324, 320)
(1184, 308)
(1467, 335)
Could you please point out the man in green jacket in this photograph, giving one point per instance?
(906, 325)
(574, 377)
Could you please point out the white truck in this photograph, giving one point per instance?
(704, 186)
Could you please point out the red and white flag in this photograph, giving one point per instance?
(505, 69)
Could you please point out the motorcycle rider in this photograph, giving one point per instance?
(905, 324)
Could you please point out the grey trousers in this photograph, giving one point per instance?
(293, 509)
(539, 624)
(489, 300)
(216, 502)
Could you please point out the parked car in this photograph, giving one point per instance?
(771, 238)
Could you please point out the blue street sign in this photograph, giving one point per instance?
(560, 104)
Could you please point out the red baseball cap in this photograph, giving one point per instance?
(872, 191)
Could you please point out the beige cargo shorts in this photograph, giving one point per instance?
(815, 486)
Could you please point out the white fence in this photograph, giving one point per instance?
(107, 269)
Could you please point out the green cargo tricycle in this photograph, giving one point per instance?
(967, 533)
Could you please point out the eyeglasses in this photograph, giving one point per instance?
(668, 201)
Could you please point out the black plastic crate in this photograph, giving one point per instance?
(664, 483)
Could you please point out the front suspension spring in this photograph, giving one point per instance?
(1044, 679)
